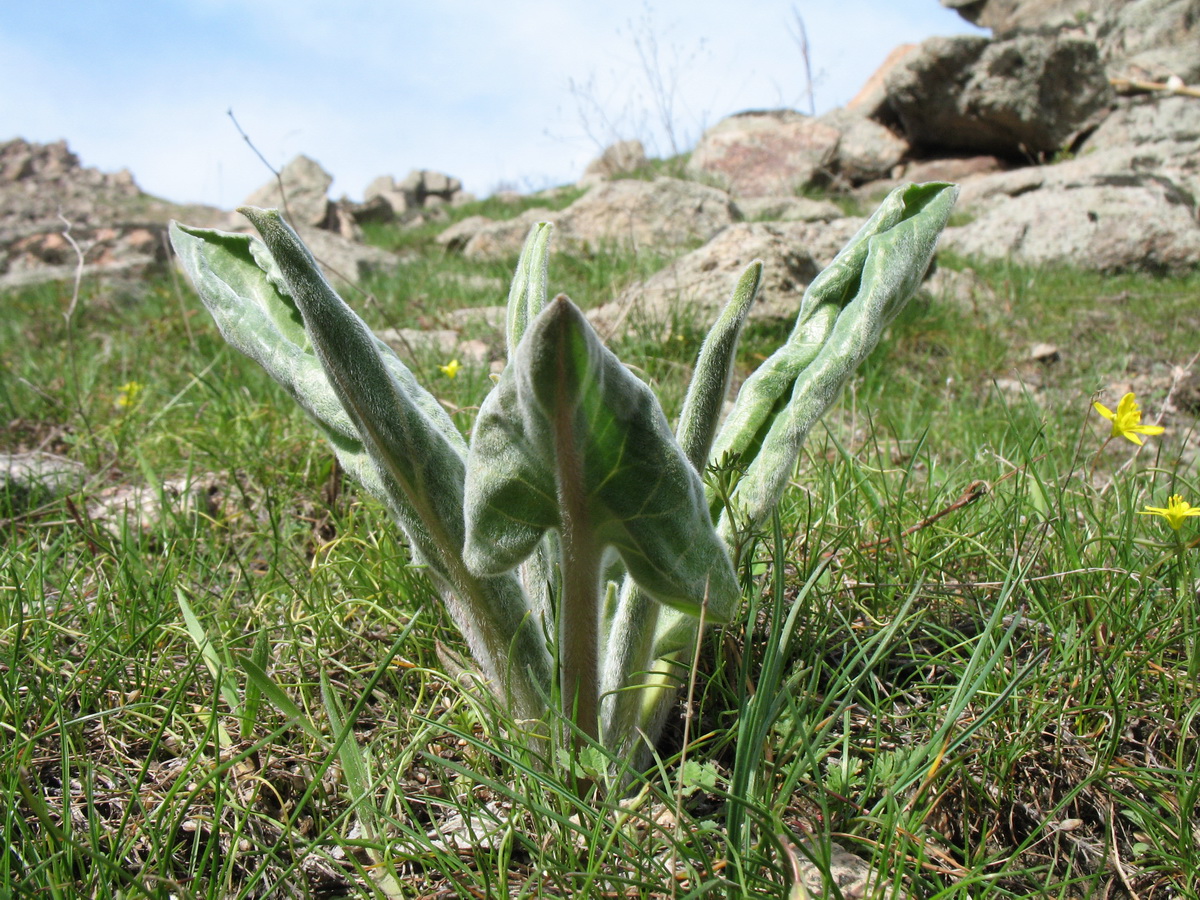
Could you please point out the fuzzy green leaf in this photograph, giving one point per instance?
(841, 318)
(389, 431)
(527, 293)
(569, 431)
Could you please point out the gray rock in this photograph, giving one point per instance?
(305, 195)
(1089, 212)
(385, 190)
(142, 506)
(423, 185)
(495, 240)
(852, 876)
(871, 99)
(617, 159)
(27, 479)
(866, 150)
(1148, 119)
(1006, 16)
(455, 237)
(376, 209)
(665, 214)
(1140, 38)
(1152, 39)
(766, 153)
(697, 285)
(1018, 98)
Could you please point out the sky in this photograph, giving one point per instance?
(503, 94)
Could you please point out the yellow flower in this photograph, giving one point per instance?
(127, 394)
(451, 368)
(1127, 420)
(1177, 510)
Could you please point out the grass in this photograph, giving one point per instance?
(963, 655)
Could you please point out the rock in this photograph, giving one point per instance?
(697, 285)
(497, 240)
(853, 877)
(377, 210)
(345, 260)
(1147, 119)
(1044, 353)
(664, 214)
(455, 237)
(1016, 98)
(617, 159)
(142, 506)
(305, 196)
(788, 209)
(967, 291)
(118, 229)
(421, 189)
(493, 319)
(1150, 39)
(441, 345)
(1102, 212)
(866, 150)
(1007, 16)
(953, 169)
(385, 190)
(871, 99)
(766, 153)
(27, 479)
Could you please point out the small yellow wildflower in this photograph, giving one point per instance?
(1127, 420)
(127, 394)
(451, 368)
(1176, 511)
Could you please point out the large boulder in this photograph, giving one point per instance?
(696, 286)
(665, 213)
(866, 150)
(766, 153)
(1148, 119)
(301, 191)
(1128, 208)
(1022, 97)
(1139, 38)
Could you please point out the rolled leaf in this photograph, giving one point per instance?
(714, 370)
(527, 292)
(867, 285)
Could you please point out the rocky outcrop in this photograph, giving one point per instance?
(1023, 98)
(1150, 39)
(411, 200)
(49, 200)
(1105, 223)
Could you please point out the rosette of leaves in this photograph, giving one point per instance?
(575, 542)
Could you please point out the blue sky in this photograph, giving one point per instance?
(500, 93)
